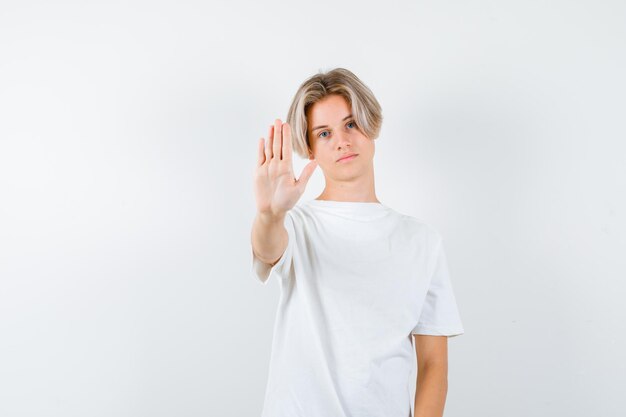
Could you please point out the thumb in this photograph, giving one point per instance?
(307, 171)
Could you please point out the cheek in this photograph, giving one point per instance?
(326, 159)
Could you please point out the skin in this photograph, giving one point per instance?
(277, 191)
(432, 375)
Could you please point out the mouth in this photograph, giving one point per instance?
(348, 157)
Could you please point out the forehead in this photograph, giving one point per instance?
(328, 111)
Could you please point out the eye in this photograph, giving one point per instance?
(352, 122)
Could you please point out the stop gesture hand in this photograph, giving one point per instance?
(275, 186)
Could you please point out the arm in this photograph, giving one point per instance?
(276, 192)
(432, 375)
(269, 237)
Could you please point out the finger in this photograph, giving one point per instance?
(307, 171)
(268, 143)
(286, 151)
(260, 160)
(277, 138)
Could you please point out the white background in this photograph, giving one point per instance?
(128, 139)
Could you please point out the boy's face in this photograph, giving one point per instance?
(338, 137)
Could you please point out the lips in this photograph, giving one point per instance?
(347, 156)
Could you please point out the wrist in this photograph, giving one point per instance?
(270, 218)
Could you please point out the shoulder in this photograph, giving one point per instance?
(420, 227)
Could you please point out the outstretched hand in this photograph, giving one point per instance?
(275, 186)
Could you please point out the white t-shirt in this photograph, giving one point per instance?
(356, 280)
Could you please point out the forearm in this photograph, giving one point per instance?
(431, 391)
(268, 237)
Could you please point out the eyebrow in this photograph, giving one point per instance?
(319, 127)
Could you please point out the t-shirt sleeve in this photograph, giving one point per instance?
(262, 271)
(440, 315)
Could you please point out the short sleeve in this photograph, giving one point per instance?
(262, 271)
(440, 315)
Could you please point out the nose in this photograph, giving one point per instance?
(343, 140)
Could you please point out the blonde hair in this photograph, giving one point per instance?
(365, 108)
